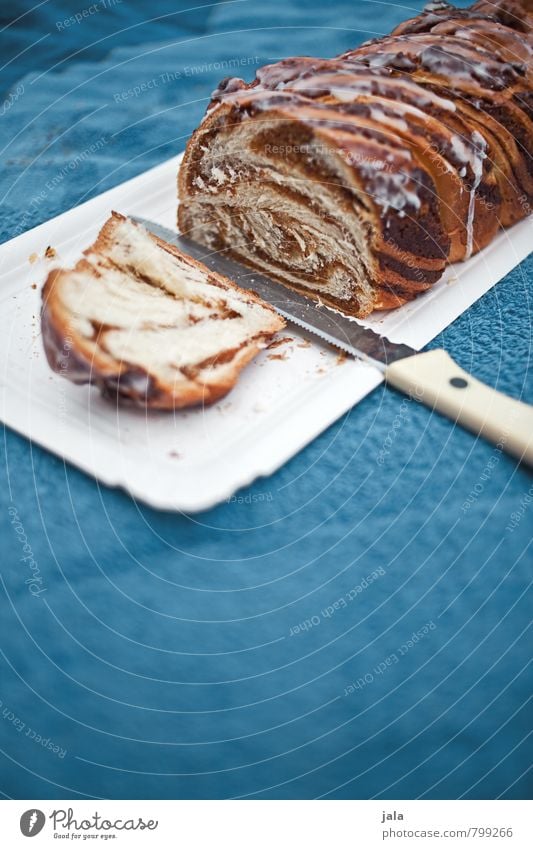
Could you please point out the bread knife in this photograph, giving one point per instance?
(432, 377)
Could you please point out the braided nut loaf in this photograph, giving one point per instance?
(356, 180)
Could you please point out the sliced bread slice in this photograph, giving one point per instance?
(144, 322)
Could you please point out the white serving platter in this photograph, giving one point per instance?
(191, 460)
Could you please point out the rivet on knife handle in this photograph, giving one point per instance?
(438, 382)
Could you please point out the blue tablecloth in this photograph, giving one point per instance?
(354, 626)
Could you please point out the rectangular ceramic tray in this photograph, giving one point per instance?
(194, 459)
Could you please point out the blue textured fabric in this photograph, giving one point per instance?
(354, 626)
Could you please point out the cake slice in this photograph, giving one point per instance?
(144, 322)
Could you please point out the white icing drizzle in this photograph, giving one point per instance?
(393, 190)
(379, 115)
(478, 154)
(347, 91)
(436, 6)
(276, 76)
(438, 61)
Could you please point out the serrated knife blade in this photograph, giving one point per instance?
(431, 377)
(329, 325)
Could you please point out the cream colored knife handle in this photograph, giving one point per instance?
(438, 382)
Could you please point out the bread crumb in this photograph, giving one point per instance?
(341, 358)
(305, 343)
(278, 357)
(50, 252)
(34, 285)
(33, 258)
(277, 342)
